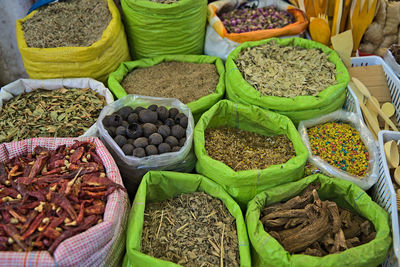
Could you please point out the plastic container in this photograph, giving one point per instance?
(382, 192)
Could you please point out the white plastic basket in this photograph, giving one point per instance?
(382, 192)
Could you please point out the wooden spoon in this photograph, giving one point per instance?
(389, 110)
(397, 175)
(392, 154)
(364, 90)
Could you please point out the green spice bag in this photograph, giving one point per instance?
(156, 29)
(196, 107)
(244, 185)
(161, 185)
(268, 252)
(299, 107)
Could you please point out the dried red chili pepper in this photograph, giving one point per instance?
(48, 196)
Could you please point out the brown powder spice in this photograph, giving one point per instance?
(243, 150)
(182, 80)
(73, 23)
(191, 230)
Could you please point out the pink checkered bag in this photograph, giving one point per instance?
(101, 245)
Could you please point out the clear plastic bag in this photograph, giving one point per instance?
(133, 168)
(371, 176)
(21, 86)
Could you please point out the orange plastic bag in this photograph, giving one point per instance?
(292, 29)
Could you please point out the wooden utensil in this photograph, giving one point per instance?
(343, 45)
(337, 17)
(397, 175)
(345, 15)
(374, 127)
(392, 154)
(364, 90)
(389, 110)
(361, 16)
(319, 29)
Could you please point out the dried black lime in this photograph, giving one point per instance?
(162, 113)
(139, 152)
(153, 107)
(169, 122)
(134, 131)
(164, 148)
(115, 120)
(151, 150)
(127, 149)
(133, 118)
(125, 111)
(164, 130)
(178, 131)
(130, 141)
(120, 140)
(106, 121)
(176, 148)
(111, 131)
(182, 141)
(147, 115)
(125, 124)
(141, 142)
(138, 109)
(172, 141)
(155, 139)
(149, 129)
(173, 112)
(121, 130)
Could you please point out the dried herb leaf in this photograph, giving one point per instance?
(286, 71)
(188, 230)
(44, 113)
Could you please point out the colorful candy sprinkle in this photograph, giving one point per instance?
(341, 146)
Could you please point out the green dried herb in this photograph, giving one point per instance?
(286, 71)
(190, 230)
(73, 23)
(43, 113)
(243, 150)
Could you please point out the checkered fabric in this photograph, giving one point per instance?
(101, 245)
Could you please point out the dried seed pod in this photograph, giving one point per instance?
(121, 130)
(153, 107)
(127, 149)
(148, 129)
(151, 150)
(133, 118)
(155, 139)
(164, 130)
(178, 131)
(120, 140)
(164, 148)
(125, 111)
(115, 120)
(172, 141)
(134, 131)
(141, 142)
(173, 112)
(139, 152)
(162, 113)
(169, 122)
(148, 116)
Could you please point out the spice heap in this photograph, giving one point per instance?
(341, 146)
(67, 23)
(286, 71)
(191, 230)
(43, 113)
(243, 150)
(254, 19)
(182, 80)
(307, 225)
(142, 132)
(49, 196)
(395, 50)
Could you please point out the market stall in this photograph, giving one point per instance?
(172, 133)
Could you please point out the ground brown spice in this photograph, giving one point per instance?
(182, 80)
(243, 150)
(190, 230)
(68, 23)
